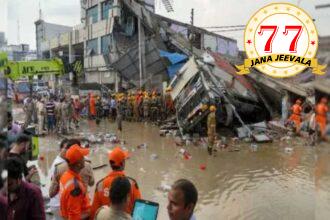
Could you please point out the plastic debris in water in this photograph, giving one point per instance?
(254, 147)
(202, 167)
(153, 156)
(288, 150)
(142, 170)
(164, 187)
(186, 155)
(142, 146)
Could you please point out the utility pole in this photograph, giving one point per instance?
(191, 37)
(18, 34)
(141, 52)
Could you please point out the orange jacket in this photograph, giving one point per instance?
(296, 114)
(73, 207)
(92, 108)
(102, 191)
(321, 115)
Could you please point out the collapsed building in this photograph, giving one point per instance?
(123, 43)
(126, 45)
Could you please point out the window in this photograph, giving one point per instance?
(106, 6)
(91, 47)
(106, 44)
(92, 15)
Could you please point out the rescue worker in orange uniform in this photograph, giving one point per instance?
(296, 115)
(117, 159)
(74, 199)
(321, 111)
(92, 108)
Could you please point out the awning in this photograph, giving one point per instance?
(177, 60)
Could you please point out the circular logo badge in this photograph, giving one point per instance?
(281, 40)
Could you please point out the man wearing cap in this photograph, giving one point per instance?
(58, 168)
(321, 111)
(295, 117)
(117, 159)
(74, 199)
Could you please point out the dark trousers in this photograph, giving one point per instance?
(50, 122)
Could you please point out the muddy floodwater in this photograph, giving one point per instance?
(268, 183)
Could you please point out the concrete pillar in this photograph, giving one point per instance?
(141, 52)
(99, 8)
(116, 82)
(285, 106)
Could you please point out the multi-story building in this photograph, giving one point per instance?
(121, 40)
(19, 52)
(46, 31)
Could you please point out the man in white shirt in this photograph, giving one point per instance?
(182, 200)
(54, 203)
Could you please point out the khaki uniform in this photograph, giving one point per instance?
(108, 213)
(86, 174)
(28, 109)
(211, 130)
(41, 111)
(146, 107)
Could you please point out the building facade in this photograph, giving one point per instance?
(46, 31)
(19, 52)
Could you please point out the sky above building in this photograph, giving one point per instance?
(17, 17)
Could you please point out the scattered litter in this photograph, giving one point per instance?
(288, 150)
(142, 170)
(163, 132)
(254, 147)
(164, 187)
(153, 157)
(261, 138)
(285, 138)
(234, 150)
(186, 155)
(178, 141)
(142, 146)
(247, 139)
(42, 158)
(202, 167)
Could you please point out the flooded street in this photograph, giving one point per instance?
(269, 183)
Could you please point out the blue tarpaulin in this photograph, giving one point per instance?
(177, 60)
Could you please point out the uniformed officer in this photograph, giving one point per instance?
(119, 195)
(295, 117)
(211, 128)
(146, 107)
(86, 173)
(74, 199)
(117, 159)
(321, 111)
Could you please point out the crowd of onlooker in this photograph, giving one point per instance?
(71, 178)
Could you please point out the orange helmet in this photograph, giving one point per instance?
(213, 108)
(324, 100)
